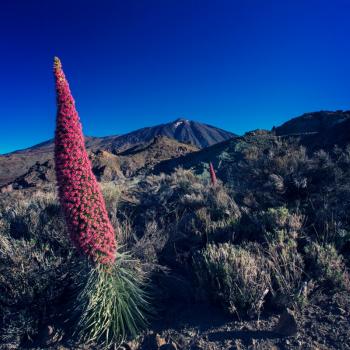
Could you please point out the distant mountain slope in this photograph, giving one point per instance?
(338, 134)
(199, 161)
(141, 159)
(147, 150)
(315, 131)
(186, 131)
(318, 130)
(107, 166)
(183, 130)
(312, 122)
(15, 164)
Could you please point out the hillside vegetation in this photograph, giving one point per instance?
(223, 261)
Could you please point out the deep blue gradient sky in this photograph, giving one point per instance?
(236, 64)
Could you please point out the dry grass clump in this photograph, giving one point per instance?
(151, 243)
(289, 158)
(239, 274)
(282, 230)
(31, 216)
(37, 265)
(279, 223)
(184, 188)
(235, 276)
(111, 193)
(327, 265)
(189, 201)
(287, 269)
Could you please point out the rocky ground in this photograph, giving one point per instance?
(323, 324)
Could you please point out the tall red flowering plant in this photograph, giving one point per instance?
(112, 303)
(212, 174)
(79, 192)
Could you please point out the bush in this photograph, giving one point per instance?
(278, 223)
(111, 193)
(185, 197)
(327, 265)
(38, 268)
(183, 191)
(236, 277)
(286, 268)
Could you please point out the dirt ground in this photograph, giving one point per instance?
(323, 324)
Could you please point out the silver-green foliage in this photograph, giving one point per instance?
(113, 302)
(237, 277)
(328, 265)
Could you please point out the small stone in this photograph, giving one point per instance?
(49, 336)
(286, 325)
(197, 345)
(169, 346)
(149, 342)
(152, 341)
(341, 311)
(6, 188)
(131, 345)
(160, 341)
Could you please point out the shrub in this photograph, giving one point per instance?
(111, 193)
(286, 267)
(38, 269)
(187, 212)
(327, 265)
(236, 277)
(277, 221)
(182, 194)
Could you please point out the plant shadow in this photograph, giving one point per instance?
(245, 335)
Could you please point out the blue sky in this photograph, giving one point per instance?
(235, 64)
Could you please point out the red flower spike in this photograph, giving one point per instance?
(212, 174)
(79, 192)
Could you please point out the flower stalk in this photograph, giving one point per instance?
(212, 174)
(79, 192)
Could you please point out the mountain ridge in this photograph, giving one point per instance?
(312, 122)
(171, 129)
(107, 166)
(151, 149)
(16, 164)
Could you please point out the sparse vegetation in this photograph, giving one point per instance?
(327, 265)
(38, 267)
(236, 277)
(287, 269)
(272, 233)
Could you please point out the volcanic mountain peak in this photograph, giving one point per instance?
(180, 121)
(183, 130)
